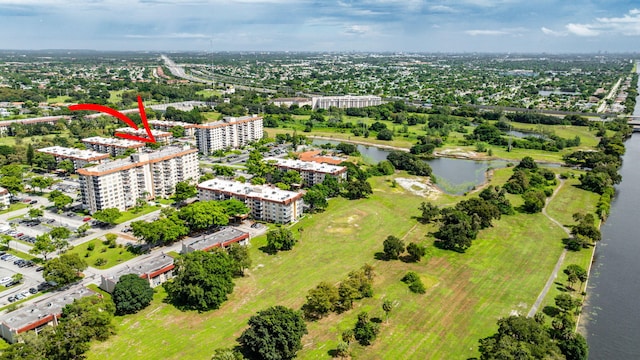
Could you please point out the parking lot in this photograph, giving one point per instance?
(31, 278)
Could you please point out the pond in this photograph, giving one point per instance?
(453, 176)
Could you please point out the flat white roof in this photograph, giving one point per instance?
(266, 192)
(124, 143)
(306, 165)
(87, 155)
(142, 132)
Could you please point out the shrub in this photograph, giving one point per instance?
(91, 246)
(100, 261)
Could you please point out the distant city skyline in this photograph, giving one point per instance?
(551, 26)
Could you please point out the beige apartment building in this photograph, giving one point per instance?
(267, 203)
(228, 133)
(118, 184)
(311, 172)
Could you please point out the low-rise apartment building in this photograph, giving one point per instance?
(164, 125)
(228, 133)
(112, 146)
(266, 202)
(80, 158)
(311, 172)
(39, 314)
(118, 184)
(156, 269)
(222, 238)
(161, 137)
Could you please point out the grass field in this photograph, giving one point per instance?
(14, 207)
(131, 214)
(113, 256)
(501, 273)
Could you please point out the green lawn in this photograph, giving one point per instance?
(58, 99)
(132, 214)
(207, 93)
(113, 256)
(14, 207)
(503, 272)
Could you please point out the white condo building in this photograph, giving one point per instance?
(164, 125)
(229, 133)
(79, 157)
(113, 146)
(343, 102)
(267, 203)
(118, 184)
(311, 172)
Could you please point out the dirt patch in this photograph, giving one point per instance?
(420, 187)
(458, 153)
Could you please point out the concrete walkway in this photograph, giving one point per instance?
(554, 273)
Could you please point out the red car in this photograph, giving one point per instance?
(86, 219)
(18, 235)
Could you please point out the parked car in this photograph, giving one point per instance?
(33, 290)
(40, 268)
(11, 299)
(19, 296)
(27, 200)
(33, 202)
(11, 284)
(86, 219)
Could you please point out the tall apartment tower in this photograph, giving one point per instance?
(229, 133)
(118, 184)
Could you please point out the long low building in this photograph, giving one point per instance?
(345, 101)
(267, 203)
(157, 270)
(80, 158)
(228, 133)
(39, 314)
(161, 137)
(112, 146)
(165, 125)
(311, 172)
(222, 238)
(120, 183)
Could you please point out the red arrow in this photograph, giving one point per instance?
(123, 117)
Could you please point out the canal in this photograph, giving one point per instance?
(611, 317)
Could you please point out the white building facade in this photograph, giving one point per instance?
(311, 172)
(228, 133)
(267, 203)
(346, 101)
(118, 184)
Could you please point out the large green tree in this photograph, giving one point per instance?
(109, 215)
(203, 280)
(392, 247)
(519, 337)
(64, 269)
(280, 239)
(184, 191)
(274, 334)
(321, 300)
(131, 294)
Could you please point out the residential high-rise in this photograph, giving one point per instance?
(346, 101)
(311, 172)
(118, 184)
(229, 133)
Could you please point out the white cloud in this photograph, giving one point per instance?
(548, 31)
(169, 36)
(486, 32)
(441, 9)
(357, 29)
(582, 30)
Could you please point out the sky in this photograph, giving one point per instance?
(529, 26)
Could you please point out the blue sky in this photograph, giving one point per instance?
(554, 26)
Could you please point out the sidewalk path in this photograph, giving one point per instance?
(554, 273)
